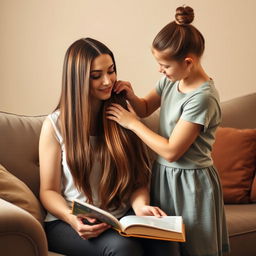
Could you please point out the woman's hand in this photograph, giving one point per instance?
(140, 204)
(148, 210)
(86, 231)
(124, 86)
(123, 117)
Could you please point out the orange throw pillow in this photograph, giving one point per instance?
(253, 192)
(234, 155)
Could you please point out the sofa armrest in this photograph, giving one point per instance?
(20, 232)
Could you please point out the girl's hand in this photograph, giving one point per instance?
(86, 231)
(124, 86)
(123, 117)
(148, 210)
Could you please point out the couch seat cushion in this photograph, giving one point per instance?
(241, 219)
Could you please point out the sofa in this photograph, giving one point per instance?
(21, 214)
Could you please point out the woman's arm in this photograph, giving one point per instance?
(140, 204)
(50, 184)
(142, 106)
(172, 148)
(50, 173)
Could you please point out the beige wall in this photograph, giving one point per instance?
(35, 35)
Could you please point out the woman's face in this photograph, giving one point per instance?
(102, 77)
(174, 70)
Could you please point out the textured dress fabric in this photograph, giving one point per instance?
(190, 186)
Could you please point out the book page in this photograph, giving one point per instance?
(169, 223)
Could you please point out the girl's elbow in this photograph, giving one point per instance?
(171, 157)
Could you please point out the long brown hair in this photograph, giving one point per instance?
(123, 157)
(180, 37)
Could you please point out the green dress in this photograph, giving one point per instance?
(190, 187)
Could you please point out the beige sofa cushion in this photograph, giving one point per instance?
(19, 136)
(234, 154)
(17, 192)
(238, 112)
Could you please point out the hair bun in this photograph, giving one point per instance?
(184, 15)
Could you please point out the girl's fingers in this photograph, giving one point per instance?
(115, 110)
(115, 105)
(113, 118)
(130, 108)
(112, 113)
(121, 85)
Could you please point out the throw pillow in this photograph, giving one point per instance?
(253, 192)
(234, 155)
(17, 192)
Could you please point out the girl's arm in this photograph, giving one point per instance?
(50, 184)
(140, 204)
(172, 148)
(142, 106)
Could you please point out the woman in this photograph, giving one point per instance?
(85, 156)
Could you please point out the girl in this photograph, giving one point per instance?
(184, 180)
(85, 156)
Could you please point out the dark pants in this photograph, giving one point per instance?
(62, 238)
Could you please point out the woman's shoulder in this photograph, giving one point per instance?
(51, 125)
(47, 128)
(54, 116)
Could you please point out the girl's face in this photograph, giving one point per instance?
(174, 70)
(102, 77)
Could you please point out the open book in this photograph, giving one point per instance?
(169, 228)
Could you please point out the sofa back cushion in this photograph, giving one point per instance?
(239, 112)
(19, 138)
